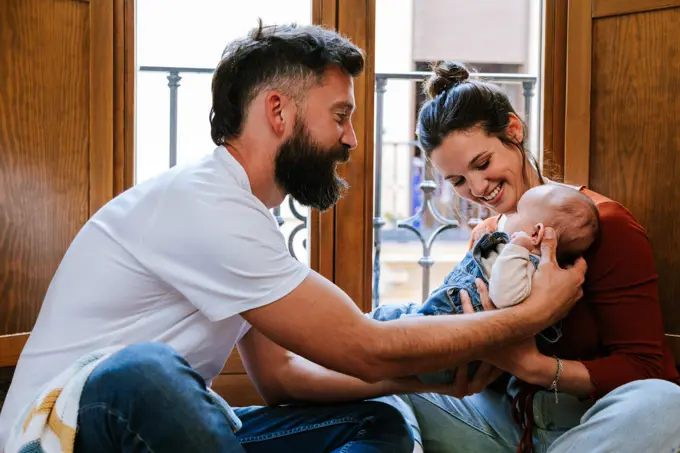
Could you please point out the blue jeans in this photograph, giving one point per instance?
(445, 300)
(146, 398)
(639, 417)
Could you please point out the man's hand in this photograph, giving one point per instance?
(555, 290)
(486, 372)
(459, 388)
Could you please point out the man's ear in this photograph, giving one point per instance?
(280, 112)
(537, 233)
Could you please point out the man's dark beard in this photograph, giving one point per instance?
(306, 171)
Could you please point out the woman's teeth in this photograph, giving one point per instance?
(495, 192)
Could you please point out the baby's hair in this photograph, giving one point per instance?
(576, 220)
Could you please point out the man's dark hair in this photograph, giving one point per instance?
(289, 58)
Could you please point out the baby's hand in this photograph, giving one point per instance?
(522, 239)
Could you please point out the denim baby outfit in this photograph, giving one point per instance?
(445, 300)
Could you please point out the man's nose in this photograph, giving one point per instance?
(349, 137)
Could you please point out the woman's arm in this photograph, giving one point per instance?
(525, 362)
(622, 294)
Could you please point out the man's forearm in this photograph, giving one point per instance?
(319, 322)
(418, 345)
(302, 381)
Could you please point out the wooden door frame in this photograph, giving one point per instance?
(125, 74)
(342, 238)
(577, 99)
(112, 77)
(554, 87)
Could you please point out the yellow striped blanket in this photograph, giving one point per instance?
(48, 424)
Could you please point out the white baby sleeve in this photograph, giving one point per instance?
(510, 280)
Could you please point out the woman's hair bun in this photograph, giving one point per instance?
(447, 74)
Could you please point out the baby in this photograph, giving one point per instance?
(506, 260)
(576, 222)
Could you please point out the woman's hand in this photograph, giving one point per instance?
(522, 360)
(519, 359)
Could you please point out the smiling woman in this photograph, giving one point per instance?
(490, 146)
(612, 354)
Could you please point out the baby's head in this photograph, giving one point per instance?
(570, 213)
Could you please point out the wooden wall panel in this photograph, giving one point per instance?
(577, 100)
(554, 87)
(635, 138)
(237, 389)
(124, 73)
(604, 8)
(10, 349)
(44, 147)
(101, 102)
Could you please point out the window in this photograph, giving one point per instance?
(497, 38)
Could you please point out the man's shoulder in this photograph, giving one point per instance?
(210, 186)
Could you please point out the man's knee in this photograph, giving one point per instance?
(137, 368)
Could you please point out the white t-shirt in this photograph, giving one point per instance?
(174, 259)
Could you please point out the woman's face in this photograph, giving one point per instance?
(481, 168)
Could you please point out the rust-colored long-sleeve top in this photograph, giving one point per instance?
(616, 329)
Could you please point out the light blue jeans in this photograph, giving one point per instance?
(639, 417)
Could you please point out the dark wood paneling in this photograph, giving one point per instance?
(101, 101)
(554, 88)
(124, 73)
(66, 72)
(237, 389)
(577, 100)
(129, 95)
(234, 364)
(635, 132)
(604, 8)
(44, 152)
(10, 348)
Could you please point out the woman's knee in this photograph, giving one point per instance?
(648, 402)
(653, 394)
(649, 388)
